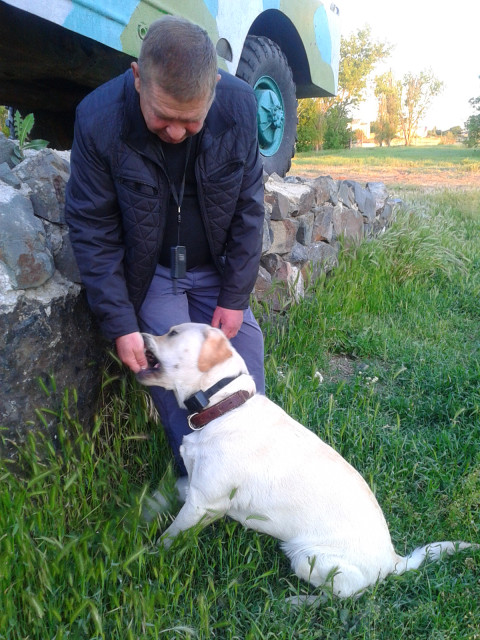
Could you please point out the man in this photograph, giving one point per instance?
(165, 202)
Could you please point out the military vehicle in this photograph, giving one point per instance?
(54, 52)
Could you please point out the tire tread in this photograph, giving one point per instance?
(257, 51)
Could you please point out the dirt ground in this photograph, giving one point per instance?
(392, 176)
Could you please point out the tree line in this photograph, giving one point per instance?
(472, 125)
(325, 123)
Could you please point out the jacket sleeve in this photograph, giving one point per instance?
(92, 214)
(244, 243)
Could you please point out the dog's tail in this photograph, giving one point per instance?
(433, 552)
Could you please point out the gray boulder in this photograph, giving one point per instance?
(23, 247)
(6, 150)
(49, 343)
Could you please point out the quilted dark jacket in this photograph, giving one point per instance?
(118, 192)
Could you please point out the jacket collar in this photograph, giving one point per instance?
(135, 133)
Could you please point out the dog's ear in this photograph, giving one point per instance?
(215, 349)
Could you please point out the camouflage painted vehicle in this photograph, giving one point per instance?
(53, 52)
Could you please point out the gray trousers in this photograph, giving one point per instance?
(194, 300)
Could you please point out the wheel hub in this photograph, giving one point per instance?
(270, 115)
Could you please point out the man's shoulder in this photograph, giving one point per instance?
(235, 97)
(107, 97)
(229, 83)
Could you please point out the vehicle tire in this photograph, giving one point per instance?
(264, 66)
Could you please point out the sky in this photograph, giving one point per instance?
(441, 36)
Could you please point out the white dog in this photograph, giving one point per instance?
(249, 460)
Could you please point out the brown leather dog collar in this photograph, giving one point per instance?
(198, 420)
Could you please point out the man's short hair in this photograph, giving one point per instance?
(179, 57)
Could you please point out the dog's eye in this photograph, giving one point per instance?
(172, 333)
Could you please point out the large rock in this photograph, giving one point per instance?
(322, 258)
(280, 284)
(284, 235)
(8, 177)
(49, 339)
(23, 248)
(346, 195)
(348, 223)
(326, 190)
(267, 237)
(305, 228)
(323, 223)
(6, 150)
(46, 174)
(288, 199)
(365, 201)
(379, 192)
(49, 343)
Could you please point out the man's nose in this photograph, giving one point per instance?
(176, 132)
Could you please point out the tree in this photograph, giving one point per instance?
(359, 55)
(472, 125)
(456, 131)
(402, 104)
(388, 92)
(337, 134)
(417, 95)
(311, 125)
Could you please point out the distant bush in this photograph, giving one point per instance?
(472, 125)
(3, 121)
(448, 138)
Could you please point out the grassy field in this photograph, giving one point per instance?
(395, 334)
(439, 166)
(457, 156)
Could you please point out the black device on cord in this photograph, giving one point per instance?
(200, 400)
(178, 261)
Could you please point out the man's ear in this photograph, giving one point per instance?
(215, 349)
(136, 75)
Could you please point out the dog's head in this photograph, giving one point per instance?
(189, 358)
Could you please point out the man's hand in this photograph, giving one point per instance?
(228, 320)
(130, 350)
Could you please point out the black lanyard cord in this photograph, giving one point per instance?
(177, 196)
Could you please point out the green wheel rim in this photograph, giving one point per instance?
(270, 115)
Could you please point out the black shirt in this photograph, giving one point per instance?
(191, 231)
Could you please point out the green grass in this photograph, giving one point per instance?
(437, 157)
(77, 562)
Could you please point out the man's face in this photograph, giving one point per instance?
(168, 118)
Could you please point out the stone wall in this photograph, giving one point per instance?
(49, 341)
(304, 222)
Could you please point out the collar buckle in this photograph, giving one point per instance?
(190, 423)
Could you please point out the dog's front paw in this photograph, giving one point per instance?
(164, 500)
(155, 505)
(306, 601)
(165, 541)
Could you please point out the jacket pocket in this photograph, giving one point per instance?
(138, 187)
